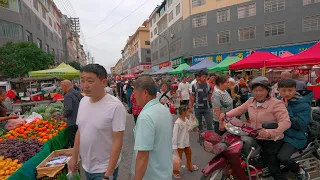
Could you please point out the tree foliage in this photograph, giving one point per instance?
(17, 59)
(75, 65)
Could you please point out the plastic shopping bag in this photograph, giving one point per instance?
(14, 123)
(73, 176)
(176, 161)
(34, 116)
(195, 122)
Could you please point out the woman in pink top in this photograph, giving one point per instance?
(263, 108)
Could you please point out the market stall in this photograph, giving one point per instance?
(28, 140)
(129, 76)
(63, 70)
(203, 65)
(256, 60)
(224, 65)
(163, 70)
(179, 69)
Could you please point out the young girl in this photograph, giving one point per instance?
(180, 139)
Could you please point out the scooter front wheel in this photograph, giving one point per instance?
(216, 175)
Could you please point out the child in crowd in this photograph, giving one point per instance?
(298, 104)
(180, 139)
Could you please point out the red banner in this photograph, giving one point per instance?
(164, 64)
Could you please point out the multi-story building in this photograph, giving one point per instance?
(82, 56)
(136, 53)
(166, 34)
(113, 71)
(36, 21)
(69, 41)
(118, 67)
(215, 29)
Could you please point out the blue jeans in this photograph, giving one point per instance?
(99, 176)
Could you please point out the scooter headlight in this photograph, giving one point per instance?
(235, 130)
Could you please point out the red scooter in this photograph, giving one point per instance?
(237, 153)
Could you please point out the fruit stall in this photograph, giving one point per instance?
(23, 146)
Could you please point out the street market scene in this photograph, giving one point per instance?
(159, 89)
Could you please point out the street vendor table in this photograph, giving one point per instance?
(28, 169)
(316, 91)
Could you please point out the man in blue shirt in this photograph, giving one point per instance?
(152, 158)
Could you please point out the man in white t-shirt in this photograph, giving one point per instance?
(183, 90)
(101, 123)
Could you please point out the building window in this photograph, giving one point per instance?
(175, 46)
(27, 14)
(223, 15)
(39, 43)
(223, 37)
(36, 4)
(46, 48)
(147, 42)
(155, 31)
(247, 10)
(274, 29)
(151, 35)
(248, 33)
(10, 30)
(45, 30)
(52, 51)
(179, 26)
(51, 36)
(311, 23)
(148, 51)
(199, 20)
(196, 3)
(155, 56)
(307, 2)
(274, 5)
(178, 9)
(28, 36)
(163, 51)
(200, 41)
(44, 13)
(170, 16)
(148, 59)
(50, 22)
(169, 3)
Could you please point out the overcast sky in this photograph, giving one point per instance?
(106, 48)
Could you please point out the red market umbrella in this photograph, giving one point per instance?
(286, 54)
(255, 61)
(309, 56)
(129, 76)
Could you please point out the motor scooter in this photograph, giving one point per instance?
(239, 156)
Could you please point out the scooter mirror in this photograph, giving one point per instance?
(270, 125)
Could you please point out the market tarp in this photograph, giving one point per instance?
(203, 65)
(163, 70)
(179, 69)
(255, 61)
(28, 169)
(309, 56)
(224, 65)
(63, 70)
(286, 54)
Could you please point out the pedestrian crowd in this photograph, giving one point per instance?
(98, 125)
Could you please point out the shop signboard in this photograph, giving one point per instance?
(164, 64)
(177, 61)
(140, 68)
(217, 58)
(155, 68)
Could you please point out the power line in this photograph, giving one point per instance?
(62, 7)
(120, 20)
(109, 13)
(69, 4)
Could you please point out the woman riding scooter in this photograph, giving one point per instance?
(263, 108)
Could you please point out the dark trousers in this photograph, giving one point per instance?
(270, 150)
(208, 117)
(70, 132)
(184, 102)
(284, 156)
(135, 119)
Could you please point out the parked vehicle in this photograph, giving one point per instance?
(237, 153)
(47, 87)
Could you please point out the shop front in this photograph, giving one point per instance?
(217, 58)
(177, 61)
(155, 68)
(141, 68)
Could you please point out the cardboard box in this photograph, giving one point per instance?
(51, 171)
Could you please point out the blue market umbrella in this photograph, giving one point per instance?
(203, 65)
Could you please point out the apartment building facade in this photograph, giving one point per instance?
(118, 67)
(215, 29)
(136, 53)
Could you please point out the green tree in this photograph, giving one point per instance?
(17, 59)
(75, 65)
